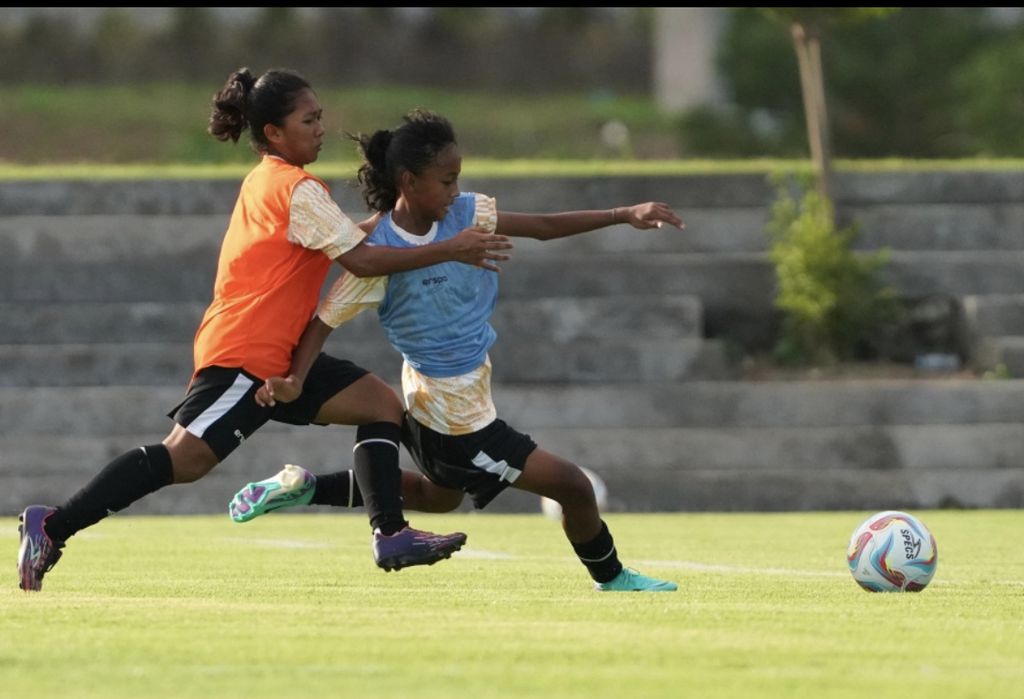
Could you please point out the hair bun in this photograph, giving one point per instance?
(377, 148)
(244, 79)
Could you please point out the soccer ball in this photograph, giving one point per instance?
(553, 510)
(892, 552)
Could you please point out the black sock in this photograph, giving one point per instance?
(599, 555)
(378, 475)
(124, 480)
(339, 489)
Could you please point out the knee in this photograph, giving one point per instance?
(190, 471)
(448, 501)
(191, 459)
(433, 498)
(385, 406)
(575, 489)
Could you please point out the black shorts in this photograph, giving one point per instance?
(220, 407)
(482, 464)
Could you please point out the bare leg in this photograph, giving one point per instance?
(366, 401)
(554, 477)
(191, 457)
(423, 495)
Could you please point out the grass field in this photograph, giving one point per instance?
(162, 122)
(292, 606)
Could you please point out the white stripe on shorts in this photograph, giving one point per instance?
(371, 441)
(220, 408)
(499, 468)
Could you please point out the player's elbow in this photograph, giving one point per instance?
(361, 271)
(358, 265)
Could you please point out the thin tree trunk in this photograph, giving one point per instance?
(812, 83)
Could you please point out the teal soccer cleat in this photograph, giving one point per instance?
(294, 485)
(628, 580)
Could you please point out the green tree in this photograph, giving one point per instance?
(116, 46)
(807, 26)
(990, 97)
(906, 85)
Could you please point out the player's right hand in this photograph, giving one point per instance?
(277, 388)
(477, 247)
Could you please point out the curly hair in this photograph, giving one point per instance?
(413, 146)
(248, 102)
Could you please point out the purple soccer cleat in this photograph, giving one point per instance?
(412, 547)
(38, 553)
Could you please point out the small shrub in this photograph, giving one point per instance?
(830, 296)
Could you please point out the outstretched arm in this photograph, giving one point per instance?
(562, 225)
(473, 246)
(316, 222)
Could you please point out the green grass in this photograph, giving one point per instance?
(292, 606)
(490, 167)
(167, 122)
(159, 130)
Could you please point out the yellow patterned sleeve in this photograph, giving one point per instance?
(486, 213)
(349, 296)
(316, 222)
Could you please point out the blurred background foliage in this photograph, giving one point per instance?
(538, 82)
(920, 82)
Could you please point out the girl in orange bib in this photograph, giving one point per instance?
(283, 235)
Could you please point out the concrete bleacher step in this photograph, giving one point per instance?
(523, 359)
(623, 338)
(737, 281)
(191, 197)
(728, 468)
(994, 314)
(1000, 352)
(40, 240)
(99, 322)
(935, 227)
(557, 319)
(119, 410)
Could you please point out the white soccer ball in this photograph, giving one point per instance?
(892, 552)
(553, 510)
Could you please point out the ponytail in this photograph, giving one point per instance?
(246, 102)
(413, 146)
(380, 191)
(228, 118)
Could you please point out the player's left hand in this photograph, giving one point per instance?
(653, 214)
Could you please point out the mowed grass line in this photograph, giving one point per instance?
(292, 606)
(494, 167)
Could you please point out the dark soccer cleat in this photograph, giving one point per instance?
(38, 553)
(412, 547)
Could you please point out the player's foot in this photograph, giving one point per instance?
(38, 553)
(293, 485)
(412, 547)
(631, 581)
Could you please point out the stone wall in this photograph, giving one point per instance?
(614, 347)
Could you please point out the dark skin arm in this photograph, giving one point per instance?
(562, 225)
(288, 388)
(473, 246)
